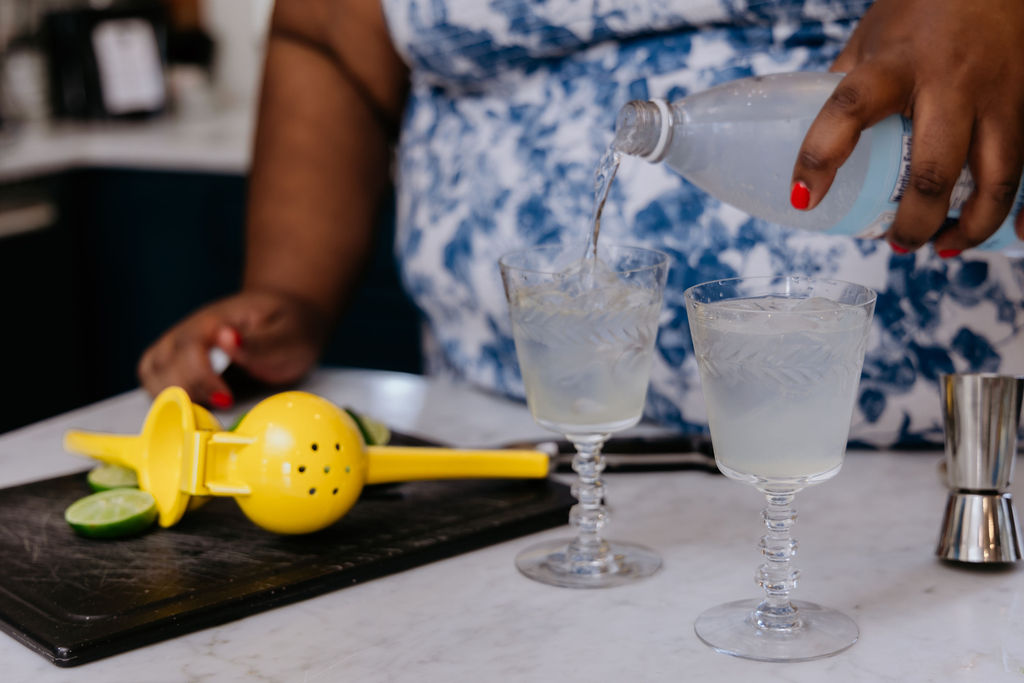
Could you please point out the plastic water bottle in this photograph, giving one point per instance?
(738, 142)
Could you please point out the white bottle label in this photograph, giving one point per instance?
(903, 176)
(961, 189)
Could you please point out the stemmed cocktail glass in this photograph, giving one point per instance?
(780, 360)
(584, 332)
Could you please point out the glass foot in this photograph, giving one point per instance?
(556, 564)
(730, 628)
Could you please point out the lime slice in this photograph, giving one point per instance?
(112, 514)
(105, 477)
(238, 421)
(374, 433)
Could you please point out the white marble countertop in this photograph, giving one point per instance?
(867, 541)
(218, 141)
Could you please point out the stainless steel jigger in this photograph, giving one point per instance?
(981, 413)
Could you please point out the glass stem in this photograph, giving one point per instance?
(777, 576)
(589, 515)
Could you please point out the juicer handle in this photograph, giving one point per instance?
(116, 449)
(389, 464)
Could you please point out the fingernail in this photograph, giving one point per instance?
(800, 196)
(949, 253)
(229, 336)
(898, 249)
(221, 399)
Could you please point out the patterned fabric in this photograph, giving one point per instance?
(513, 103)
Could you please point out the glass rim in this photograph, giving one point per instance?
(503, 263)
(688, 293)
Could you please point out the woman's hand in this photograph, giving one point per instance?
(275, 338)
(956, 68)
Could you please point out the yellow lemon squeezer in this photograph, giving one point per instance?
(296, 463)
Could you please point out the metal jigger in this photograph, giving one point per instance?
(982, 416)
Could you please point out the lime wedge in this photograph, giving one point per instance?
(112, 514)
(238, 421)
(106, 476)
(374, 433)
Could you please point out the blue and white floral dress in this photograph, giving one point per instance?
(513, 103)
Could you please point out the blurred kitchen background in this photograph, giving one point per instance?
(125, 135)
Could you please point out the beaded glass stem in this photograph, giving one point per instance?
(588, 552)
(777, 576)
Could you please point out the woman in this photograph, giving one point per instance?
(496, 115)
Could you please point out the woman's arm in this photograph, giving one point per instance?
(332, 97)
(333, 93)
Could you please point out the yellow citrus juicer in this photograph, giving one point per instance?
(296, 463)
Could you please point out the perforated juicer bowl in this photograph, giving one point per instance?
(306, 468)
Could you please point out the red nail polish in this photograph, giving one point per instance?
(800, 196)
(898, 249)
(220, 399)
(949, 253)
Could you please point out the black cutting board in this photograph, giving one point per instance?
(74, 600)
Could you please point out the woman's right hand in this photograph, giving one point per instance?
(275, 338)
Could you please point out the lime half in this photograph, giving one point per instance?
(112, 514)
(105, 477)
(374, 433)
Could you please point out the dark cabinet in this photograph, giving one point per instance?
(127, 254)
(152, 247)
(41, 338)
